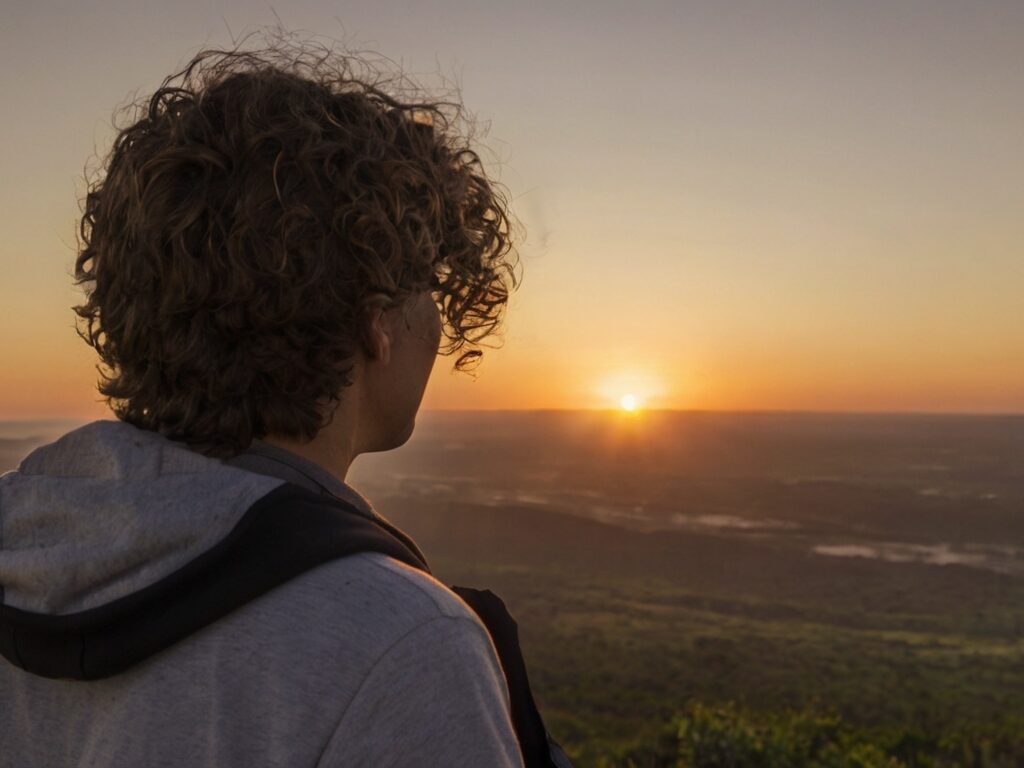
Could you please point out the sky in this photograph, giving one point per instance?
(726, 205)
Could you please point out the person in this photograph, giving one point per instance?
(278, 243)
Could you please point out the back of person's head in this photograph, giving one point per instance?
(248, 216)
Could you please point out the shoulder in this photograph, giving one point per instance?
(327, 631)
(385, 585)
(435, 693)
(424, 685)
(363, 603)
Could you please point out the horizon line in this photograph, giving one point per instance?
(639, 411)
(750, 411)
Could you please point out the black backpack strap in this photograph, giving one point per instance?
(538, 748)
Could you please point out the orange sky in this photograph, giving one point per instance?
(727, 205)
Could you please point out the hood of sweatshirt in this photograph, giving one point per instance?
(108, 509)
(110, 529)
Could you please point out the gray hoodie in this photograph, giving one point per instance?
(362, 660)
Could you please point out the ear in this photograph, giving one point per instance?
(377, 335)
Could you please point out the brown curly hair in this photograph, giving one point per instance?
(247, 217)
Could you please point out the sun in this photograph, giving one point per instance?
(628, 392)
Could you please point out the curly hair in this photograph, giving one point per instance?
(247, 217)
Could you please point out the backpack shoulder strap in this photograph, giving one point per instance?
(536, 744)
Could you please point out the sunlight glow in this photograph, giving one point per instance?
(629, 390)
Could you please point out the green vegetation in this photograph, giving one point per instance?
(724, 736)
(687, 649)
(644, 673)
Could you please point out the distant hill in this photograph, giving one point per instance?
(12, 451)
(19, 438)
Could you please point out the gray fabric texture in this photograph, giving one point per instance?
(362, 661)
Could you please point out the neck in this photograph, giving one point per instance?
(335, 447)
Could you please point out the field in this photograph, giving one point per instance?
(622, 629)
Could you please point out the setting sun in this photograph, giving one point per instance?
(629, 390)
